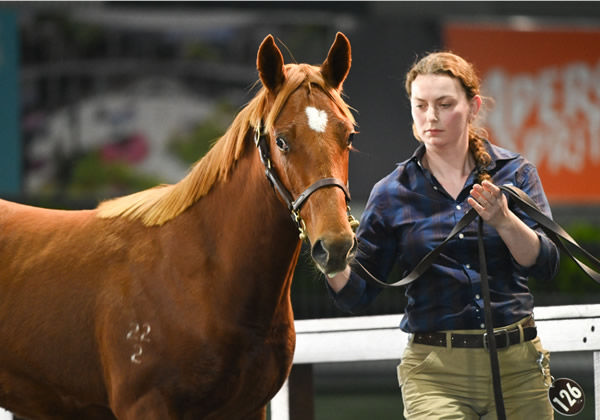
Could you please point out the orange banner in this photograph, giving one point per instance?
(545, 86)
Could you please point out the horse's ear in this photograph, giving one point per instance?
(269, 63)
(336, 66)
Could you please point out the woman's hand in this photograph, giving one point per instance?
(339, 280)
(492, 206)
(490, 203)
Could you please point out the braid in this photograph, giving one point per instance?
(481, 156)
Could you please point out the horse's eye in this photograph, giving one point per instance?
(281, 144)
(350, 139)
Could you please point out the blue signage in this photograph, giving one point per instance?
(10, 145)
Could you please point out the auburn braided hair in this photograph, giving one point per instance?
(456, 67)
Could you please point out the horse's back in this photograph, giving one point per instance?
(47, 303)
(45, 249)
(30, 229)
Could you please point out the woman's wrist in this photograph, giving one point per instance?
(339, 280)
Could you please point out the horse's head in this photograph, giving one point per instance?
(306, 135)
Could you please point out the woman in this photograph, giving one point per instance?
(412, 210)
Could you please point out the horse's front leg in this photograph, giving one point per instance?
(150, 406)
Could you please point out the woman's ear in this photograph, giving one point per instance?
(475, 106)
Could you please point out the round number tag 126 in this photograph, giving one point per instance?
(566, 396)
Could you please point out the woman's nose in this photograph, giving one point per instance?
(431, 114)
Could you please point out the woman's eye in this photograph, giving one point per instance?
(281, 144)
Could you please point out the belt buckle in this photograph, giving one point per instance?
(496, 334)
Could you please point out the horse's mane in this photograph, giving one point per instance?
(160, 204)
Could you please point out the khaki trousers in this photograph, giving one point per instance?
(456, 383)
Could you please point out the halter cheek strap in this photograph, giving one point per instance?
(294, 206)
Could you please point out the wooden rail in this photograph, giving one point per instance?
(354, 339)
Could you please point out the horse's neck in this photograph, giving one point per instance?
(253, 242)
(256, 215)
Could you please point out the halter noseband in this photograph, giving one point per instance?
(294, 206)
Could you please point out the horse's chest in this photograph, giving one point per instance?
(252, 370)
(271, 355)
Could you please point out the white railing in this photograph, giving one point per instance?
(354, 339)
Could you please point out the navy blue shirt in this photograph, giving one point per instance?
(409, 213)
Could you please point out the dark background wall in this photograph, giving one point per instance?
(132, 40)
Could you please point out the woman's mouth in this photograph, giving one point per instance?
(433, 131)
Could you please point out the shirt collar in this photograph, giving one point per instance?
(498, 154)
(418, 154)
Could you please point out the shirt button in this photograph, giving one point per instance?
(461, 236)
(482, 325)
(435, 187)
(458, 207)
(477, 296)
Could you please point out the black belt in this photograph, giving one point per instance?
(504, 338)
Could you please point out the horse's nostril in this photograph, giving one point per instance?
(333, 255)
(319, 253)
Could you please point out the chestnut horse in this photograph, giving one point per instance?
(174, 302)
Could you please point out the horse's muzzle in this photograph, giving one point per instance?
(332, 254)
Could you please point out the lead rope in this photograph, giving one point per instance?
(489, 325)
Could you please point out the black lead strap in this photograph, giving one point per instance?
(422, 265)
(489, 336)
(554, 231)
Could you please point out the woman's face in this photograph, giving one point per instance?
(441, 111)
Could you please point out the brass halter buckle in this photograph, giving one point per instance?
(352, 220)
(303, 235)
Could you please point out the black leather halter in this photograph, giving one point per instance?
(294, 206)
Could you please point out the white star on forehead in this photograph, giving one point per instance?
(317, 119)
